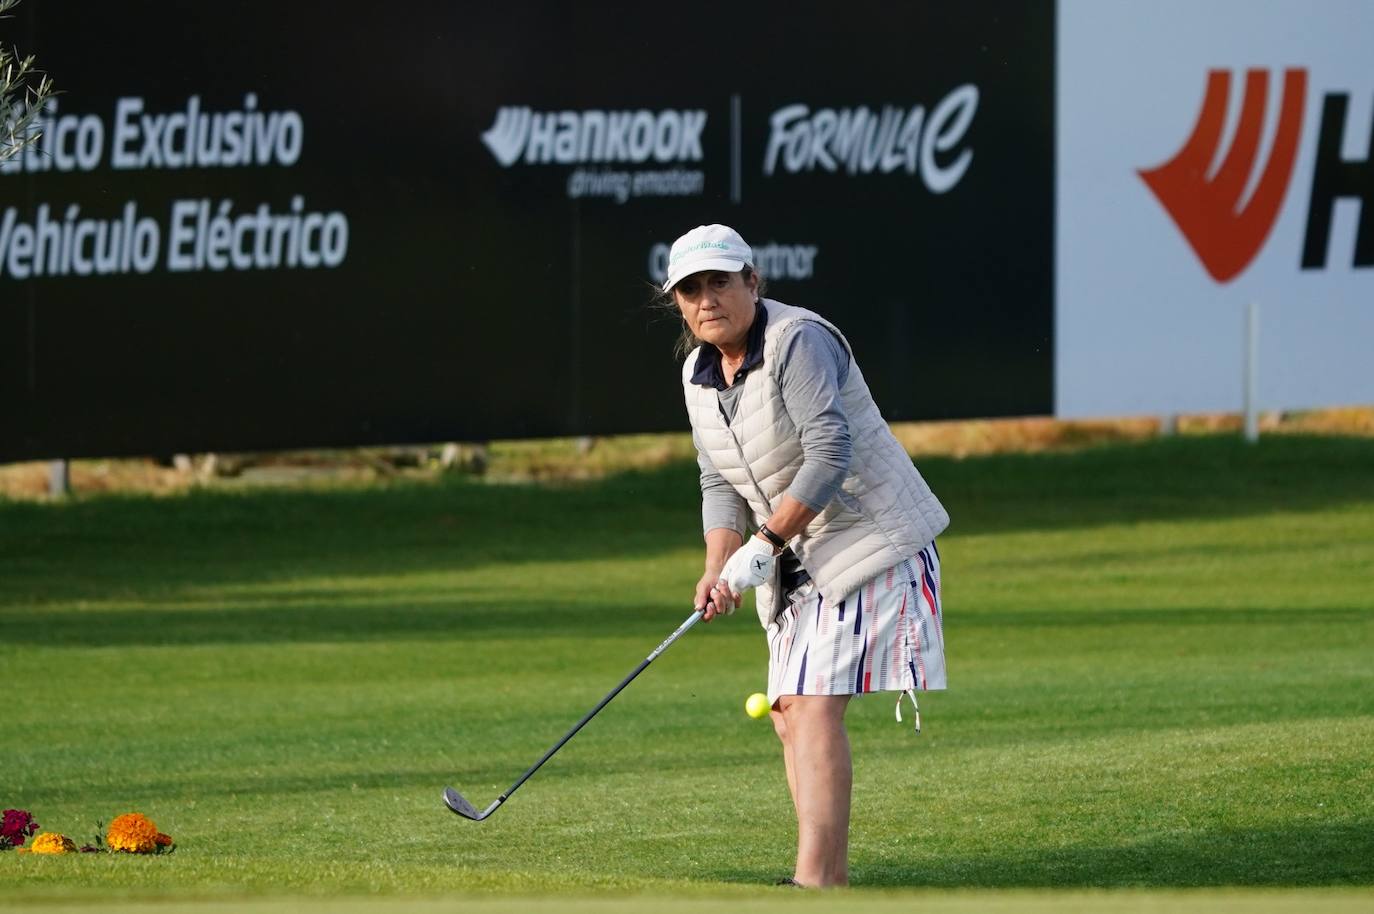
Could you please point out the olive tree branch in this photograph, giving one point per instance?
(24, 91)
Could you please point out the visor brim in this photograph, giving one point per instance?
(723, 264)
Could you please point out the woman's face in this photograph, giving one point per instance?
(717, 306)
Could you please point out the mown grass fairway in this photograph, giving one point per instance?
(1160, 659)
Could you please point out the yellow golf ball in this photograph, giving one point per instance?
(756, 705)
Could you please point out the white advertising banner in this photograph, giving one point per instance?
(1209, 155)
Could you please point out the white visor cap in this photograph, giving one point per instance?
(707, 247)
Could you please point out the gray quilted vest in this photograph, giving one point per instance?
(883, 513)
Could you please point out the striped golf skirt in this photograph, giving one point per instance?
(886, 636)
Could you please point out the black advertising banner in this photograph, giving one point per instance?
(261, 225)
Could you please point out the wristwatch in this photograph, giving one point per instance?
(778, 542)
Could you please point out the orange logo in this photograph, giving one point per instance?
(1225, 237)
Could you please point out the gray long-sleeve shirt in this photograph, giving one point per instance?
(813, 365)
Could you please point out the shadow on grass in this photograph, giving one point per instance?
(291, 621)
(114, 546)
(431, 616)
(1296, 855)
(1166, 479)
(107, 547)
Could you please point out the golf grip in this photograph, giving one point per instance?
(667, 642)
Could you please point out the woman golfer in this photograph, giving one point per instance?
(843, 555)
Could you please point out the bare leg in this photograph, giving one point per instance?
(780, 727)
(821, 777)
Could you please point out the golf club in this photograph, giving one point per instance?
(455, 801)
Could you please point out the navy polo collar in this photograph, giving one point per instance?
(708, 373)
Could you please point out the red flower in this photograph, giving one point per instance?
(16, 825)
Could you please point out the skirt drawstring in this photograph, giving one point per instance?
(915, 708)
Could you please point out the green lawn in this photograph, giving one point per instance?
(1161, 659)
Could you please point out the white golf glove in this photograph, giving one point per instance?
(749, 566)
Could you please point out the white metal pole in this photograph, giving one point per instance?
(1252, 372)
(59, 478)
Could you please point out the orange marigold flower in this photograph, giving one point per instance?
(132, 832)
(53, 843)
(163, 840)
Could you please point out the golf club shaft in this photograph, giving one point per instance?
(667, 642)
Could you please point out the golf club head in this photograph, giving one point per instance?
(454, 801)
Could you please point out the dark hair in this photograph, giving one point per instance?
(665, 302)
